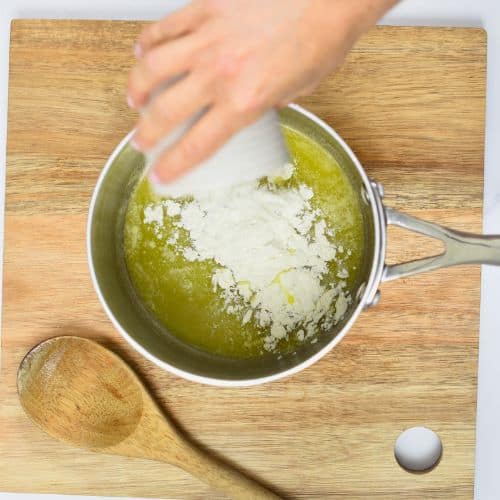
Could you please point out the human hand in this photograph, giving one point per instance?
(240, 58)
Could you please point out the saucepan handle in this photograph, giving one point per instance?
(460, 247)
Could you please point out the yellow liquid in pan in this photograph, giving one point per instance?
(180, 293)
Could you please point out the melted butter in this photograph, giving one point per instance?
(181, 294)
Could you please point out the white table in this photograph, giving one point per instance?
(485, 13)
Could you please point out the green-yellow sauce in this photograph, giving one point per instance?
(180, 293)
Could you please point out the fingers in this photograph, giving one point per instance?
(171, 108)
(201, 141)
(159, 65)
(174, 25)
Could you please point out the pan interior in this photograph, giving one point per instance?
(106, 241)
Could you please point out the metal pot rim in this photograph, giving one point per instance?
(460, 248)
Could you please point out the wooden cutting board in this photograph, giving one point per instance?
(410, 101)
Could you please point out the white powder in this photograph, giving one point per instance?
(173, 239)
(272, 251)
(153, 214)
(173, 208)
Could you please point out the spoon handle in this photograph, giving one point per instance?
(221, 476)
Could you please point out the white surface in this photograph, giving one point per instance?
(252, 153)
(418, 448)
(484, 13)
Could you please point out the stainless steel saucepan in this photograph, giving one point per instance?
(140, 328)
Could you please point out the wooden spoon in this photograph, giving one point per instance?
(80, 392)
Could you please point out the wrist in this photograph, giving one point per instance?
(363, 14)
(349, 19)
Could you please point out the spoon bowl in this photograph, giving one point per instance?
(58, 373)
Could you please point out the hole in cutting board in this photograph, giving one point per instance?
(418, 449)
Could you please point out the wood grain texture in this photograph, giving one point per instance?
(410, 101)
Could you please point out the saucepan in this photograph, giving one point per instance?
(139, 326)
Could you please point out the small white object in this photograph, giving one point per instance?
(418, 449)
(252, 153)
